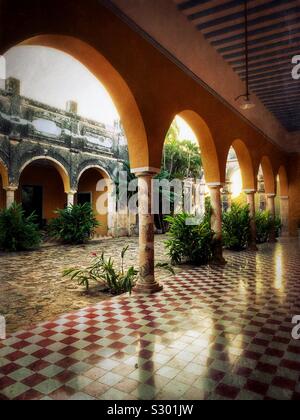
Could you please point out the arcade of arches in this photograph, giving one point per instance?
(147, 99)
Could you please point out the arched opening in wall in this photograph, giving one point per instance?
(186, 167)
(3, 184)
(266, 183)
(93, 188)
(233, 189)
(42, 186)
(239, 175)
(282, 199)
(73, 101)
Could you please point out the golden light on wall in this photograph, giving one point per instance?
(236, 184)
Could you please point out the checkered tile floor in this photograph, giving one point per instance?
(212, 333)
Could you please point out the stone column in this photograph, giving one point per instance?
(284, 210)
(10, 195)
(272, 211)
(251, 203)
(71, 198)
(216, 221)
(146, 282)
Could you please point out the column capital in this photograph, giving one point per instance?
(271, 195)
(72, 192)
(249, 191)
(146, 171)
(284, 197)
(12, 188)
(215, 185)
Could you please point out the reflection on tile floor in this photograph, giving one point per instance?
(212, 333)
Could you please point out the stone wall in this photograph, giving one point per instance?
(30, 130)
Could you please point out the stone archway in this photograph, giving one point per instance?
(42, 186)
(207, 146)
(246, 164)
(94, 186)
(268, 174)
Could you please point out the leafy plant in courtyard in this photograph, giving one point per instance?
(265, 225)
(18, 232)
(236, 227)
(103, 271)
(191, 244)
(74, 224)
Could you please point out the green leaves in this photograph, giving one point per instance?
(103, 271)
(181, 158)
(74, 224)
(188, 243)
(265, 225)
(166, 266)
(18, 232)
(236, 227)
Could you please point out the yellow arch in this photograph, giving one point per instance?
(58, 166)
(4, 175)
(207, 146)
(283, 182)
(116, 86)
(268, 173)
(246, 164)
(102, 171)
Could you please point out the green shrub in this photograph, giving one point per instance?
(189, 243)
(265, 226)
(103, 271)
(74, 224)
(236, 227)
(278, 226)
(18, 232)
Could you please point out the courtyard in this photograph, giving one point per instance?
(34, 290)
(212, 333)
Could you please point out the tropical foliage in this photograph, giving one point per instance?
(189, 243)
(181, 158)
(265, 226)
(18, 232)
(74, 224)
(236, 227)
(102, 271)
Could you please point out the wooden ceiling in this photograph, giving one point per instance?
(274, 38)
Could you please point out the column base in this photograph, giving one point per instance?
(253, 247)
(147, 288)
(273, 239)
(219, 261)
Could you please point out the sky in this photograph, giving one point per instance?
(53, 77)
